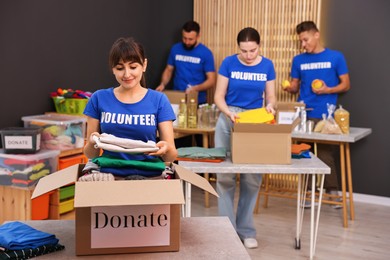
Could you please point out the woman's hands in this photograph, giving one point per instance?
(163, 148)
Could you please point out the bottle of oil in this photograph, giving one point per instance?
(182, 116)
(192, 114)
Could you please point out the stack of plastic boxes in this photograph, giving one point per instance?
(64, 133)
(22, 164)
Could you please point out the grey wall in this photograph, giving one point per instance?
(360, 29)
(50, 44)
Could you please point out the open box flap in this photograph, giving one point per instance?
(56, 180)
(265, 128)
(194, 179)
(136, 192)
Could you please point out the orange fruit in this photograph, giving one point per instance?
(316, 84)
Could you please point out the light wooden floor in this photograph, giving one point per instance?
(367, 237)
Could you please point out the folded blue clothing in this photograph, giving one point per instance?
(304, 154)
(126, 171)
(17, 235)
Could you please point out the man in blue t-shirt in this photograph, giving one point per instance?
(317, 62)
(330, 68)
(192, 64)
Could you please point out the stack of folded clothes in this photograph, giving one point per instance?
(107, 165)
(23, 173)
(20, 241)
(201, 154)
(300, 151)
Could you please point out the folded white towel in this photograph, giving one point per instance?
(125, 142)
(120, 149)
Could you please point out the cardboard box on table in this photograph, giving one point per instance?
(262, 143)
(285, 111)
(125, 216)
(175, 96)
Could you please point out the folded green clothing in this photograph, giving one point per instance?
(201, 153)
(152, 164)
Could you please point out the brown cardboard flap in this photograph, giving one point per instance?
(194, 179)
(175, 96)
(261, 128)
(265, 128)
(56, 180)
(288, 106)
(116, 193)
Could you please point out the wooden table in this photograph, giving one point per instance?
(302, 167)
(201, 238)
(343, 141)
(205, 132)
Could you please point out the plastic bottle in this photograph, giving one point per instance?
(200, 113)
(182, 116)
(192, 114)
(341, 116)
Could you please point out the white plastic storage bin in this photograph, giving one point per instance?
(59, 132)
(24, 170)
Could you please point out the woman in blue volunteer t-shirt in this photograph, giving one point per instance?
(245, 81)
(130, 110)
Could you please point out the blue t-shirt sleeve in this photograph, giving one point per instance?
(92, 107)
(165, 110)
(209, 62)
(223, 69)
(271, 75)
(342, 67)
(295, 69)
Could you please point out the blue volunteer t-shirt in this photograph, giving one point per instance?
(191, 67)
(327, 65)
(246, 83)
(138, 121)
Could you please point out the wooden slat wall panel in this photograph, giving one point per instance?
(221, 20)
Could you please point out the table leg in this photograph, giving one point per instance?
(312, 211)
(343, 185)
(318, 211)
(300, 202)
(205, 137)
(187, 191)
(349, 178)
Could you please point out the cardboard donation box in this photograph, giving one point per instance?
(286, 111)
(125, 216)
(262, 143)
(175, 96)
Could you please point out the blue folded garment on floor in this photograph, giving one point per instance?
(17, 235)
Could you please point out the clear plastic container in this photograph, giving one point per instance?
(59, 132)
(24, 170)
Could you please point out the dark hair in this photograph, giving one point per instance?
(191, 26)
(128, 50)
(248, 34)
(306, 26)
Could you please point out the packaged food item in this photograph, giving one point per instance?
(330, 126)
(341, 116)
(318, 127)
